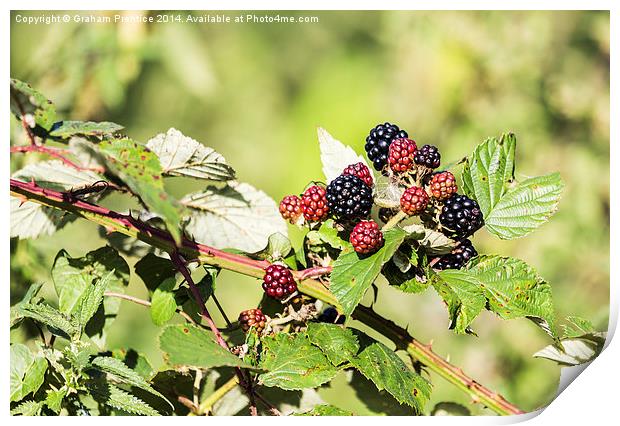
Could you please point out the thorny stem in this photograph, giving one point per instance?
(116, 222)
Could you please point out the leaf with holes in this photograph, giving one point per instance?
(234, 216)
(181, 155)
(141, 171)
(31, 106)
(352, 275)
(293, 363)
(335, 156)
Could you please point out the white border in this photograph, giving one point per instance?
(591, 399)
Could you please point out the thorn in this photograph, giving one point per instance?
(109, 230)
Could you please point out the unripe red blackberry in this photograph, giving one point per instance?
(361, 171)
(428, 156)
(252, 318)
(314, 204)
(366, 237)
(462, 254)
(278, 282)
(401, 154)
(290, 208)
(443, 185)
(414, 201)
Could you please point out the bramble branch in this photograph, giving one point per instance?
(192, 251)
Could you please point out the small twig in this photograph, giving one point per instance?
(314, 272)
(267, 404)
(219, 308)
(206, 406)
(56, 153)
(395, 220)
(147, 304)
(187, 402)
(197, 381)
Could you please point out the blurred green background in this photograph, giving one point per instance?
(257, 92)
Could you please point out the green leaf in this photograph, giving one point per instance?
(328, 233)
(514, 290)
(234, 216)
(278, 246)
(122, 373)
(180, 155)
(32, 220)
(91, 299)
(31, 105)
(56, 321)
(16, 315)
(325, 410)
(26, 373)
(463, 296)
(335, 156)
(54, 399)
(351, 275)
(163, 304)
(141, 171)
(337, 343)
(110, 395)
(433, 242)
(153, 270)
(292, 363)
(510, 209)
(387, 371)
(27, 408)
(187, 345)
(138, 362)
(577, 326)
(67, 129)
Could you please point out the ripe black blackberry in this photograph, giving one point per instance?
(366, 237)
(278, 282)
(460, 217)
(314, 204)
(290, 208)
(330, 315)
(252, 318)
(427, 156)
(361, 171)
(378, 143)
(458, 258)
(348, 197)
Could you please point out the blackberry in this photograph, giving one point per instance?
(330, 315)
(443, 185)
(252, 318)
(462, 254)
(401, 154)
(414, 201)
(378, 143)
(314, 204)
(460, 217)
(278, 282)
(290, 208)
(361, 171)
(385, 214)
(349, 197)
(366, 237)
(428, 156)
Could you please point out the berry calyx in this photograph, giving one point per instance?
(427, 156)
(378, 143)
(252, 318)
(361, 171)
(314, 204)
(462, 254)
(414, 201)
(349, 197)
(290, 208)
(460, 217)
(443, 185)
(366, 237)
(278, 282)
(401, 153)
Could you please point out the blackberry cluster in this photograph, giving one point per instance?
(314, 204)
(458, 258)
(278, 282)
(361, 171)
(252, 318)
(378, 143)
(348, 197)
(366, 237)
(460, 217)
(290, 208)
(427, 156)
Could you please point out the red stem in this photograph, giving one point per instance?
(53, 152)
